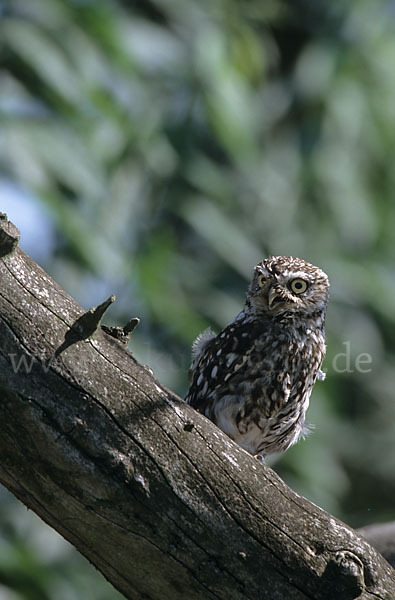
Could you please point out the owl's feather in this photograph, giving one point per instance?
(201, 342)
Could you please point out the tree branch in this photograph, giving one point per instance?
(382, 537)
(159, 499)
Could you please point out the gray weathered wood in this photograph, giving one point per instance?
(158, 499)
(382, 537)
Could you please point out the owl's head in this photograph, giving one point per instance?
(286, 284)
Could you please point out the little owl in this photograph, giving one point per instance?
(254, 378)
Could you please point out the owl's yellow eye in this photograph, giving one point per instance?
(261, 279)
(298, 285)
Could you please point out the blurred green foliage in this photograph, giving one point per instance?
(175, 144)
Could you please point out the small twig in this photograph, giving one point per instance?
(122, 334)
(85, 326)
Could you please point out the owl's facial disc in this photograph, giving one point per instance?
(279, 293)
(288, 292)
(286, 284)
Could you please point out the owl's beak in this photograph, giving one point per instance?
(275, 295)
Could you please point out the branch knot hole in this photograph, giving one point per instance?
(344, 574)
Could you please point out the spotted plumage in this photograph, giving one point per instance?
(254, 378)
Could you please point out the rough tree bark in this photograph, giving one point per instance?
(382, 537)
(157, 498)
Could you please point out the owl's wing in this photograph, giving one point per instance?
(220, 363)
